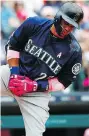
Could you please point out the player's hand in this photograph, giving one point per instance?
(20, 85)
(55, 85)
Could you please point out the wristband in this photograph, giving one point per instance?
(14, 70)
(42, 86)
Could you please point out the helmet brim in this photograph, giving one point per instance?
(69, 20)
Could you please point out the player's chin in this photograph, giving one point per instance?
(61, 36)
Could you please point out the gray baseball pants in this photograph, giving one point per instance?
(33, 106)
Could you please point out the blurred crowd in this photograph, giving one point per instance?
(14, 12)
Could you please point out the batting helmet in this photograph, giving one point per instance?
(71, 13)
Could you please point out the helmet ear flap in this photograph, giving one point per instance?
(57, 19)
(57, 23)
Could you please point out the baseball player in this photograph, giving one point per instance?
(42, 56)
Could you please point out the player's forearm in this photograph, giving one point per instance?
(14, 65)
(13, 57)
(13, 62)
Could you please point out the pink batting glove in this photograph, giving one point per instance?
(20, 85)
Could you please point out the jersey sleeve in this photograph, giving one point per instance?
(69, 72)
(19, 38)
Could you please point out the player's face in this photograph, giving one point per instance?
(66, 28)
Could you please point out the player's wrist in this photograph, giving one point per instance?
(14, 70)
(42, 86)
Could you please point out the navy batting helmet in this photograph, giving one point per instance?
(71, 13)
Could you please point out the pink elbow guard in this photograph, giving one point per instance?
(55, 85)
(12, 54)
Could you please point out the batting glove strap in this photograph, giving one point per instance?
(35, 86)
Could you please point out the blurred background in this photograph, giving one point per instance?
(69, 110)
